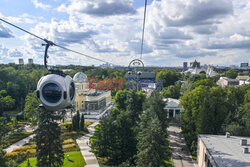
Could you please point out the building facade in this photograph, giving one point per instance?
(185, 64)
(243, 79)
(20, 61)
(174, 110)
(144, 81)
(30, 61)
(89, 100)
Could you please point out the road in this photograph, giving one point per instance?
(180, 154)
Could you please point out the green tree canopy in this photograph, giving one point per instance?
(31, 107)
(168, 77)
(6, 101)
(232, 74)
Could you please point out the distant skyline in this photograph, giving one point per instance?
(212, 32)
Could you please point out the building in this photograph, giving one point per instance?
(174, 110)
(20, 61)
(195, 68)
(223, 151)
(185, 64)
(89, 100)
(224, 81)
(243, 79)
(242, 65)
(30, 61)
(144, 81)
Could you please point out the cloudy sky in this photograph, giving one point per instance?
(211, 31)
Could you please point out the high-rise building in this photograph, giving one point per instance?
(185, 64)
(243, 64)
(20, 60)
(30, 61)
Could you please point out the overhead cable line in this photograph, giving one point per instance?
(52, 43)
(143, 27)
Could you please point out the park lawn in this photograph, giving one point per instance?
(75, 160)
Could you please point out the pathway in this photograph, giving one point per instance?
(19, 143)
(89, 157)
(180, 153)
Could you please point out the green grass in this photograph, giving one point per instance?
(75, 160)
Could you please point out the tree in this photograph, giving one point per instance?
(6, 102)
(2, 159)
(74, 123)
(197, 77)
(152, 145)
(156, 105)
(49, 151)
(168, 77)
(192, 102)
(31, 107)
(205, 82)
(171, 92)
(232, 74)
(114, 138)
(82, 123)
(120, 99)
(77, 121)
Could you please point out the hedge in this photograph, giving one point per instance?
(69, 133)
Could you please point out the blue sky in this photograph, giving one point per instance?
(213, 32)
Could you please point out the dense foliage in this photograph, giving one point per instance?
(49, 150)
(213, 110)
(131, 135)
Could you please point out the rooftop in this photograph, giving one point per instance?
(80, 77)
(229, 79)
(244, 77)
(227, 151)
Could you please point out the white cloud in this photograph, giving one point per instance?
(40, 5)
(23, 18)
(99, 8)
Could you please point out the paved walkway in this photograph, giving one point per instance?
(19, 143)
(89, 157)
(180, 154)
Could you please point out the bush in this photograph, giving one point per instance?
(31, 151)
(69, 146)
(24, 148)
(11, 154)
(69, 133)
(68, 141)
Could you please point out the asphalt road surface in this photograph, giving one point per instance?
(180, 154)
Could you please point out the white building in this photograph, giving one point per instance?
(223, 151)
(224, 81)
(172, 107)
(195, 68)
(243, 79)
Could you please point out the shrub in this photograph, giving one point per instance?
(69, 133)
(24, 148)
(11, 154)
(31, 151)
(69, 146)
(68, 141)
